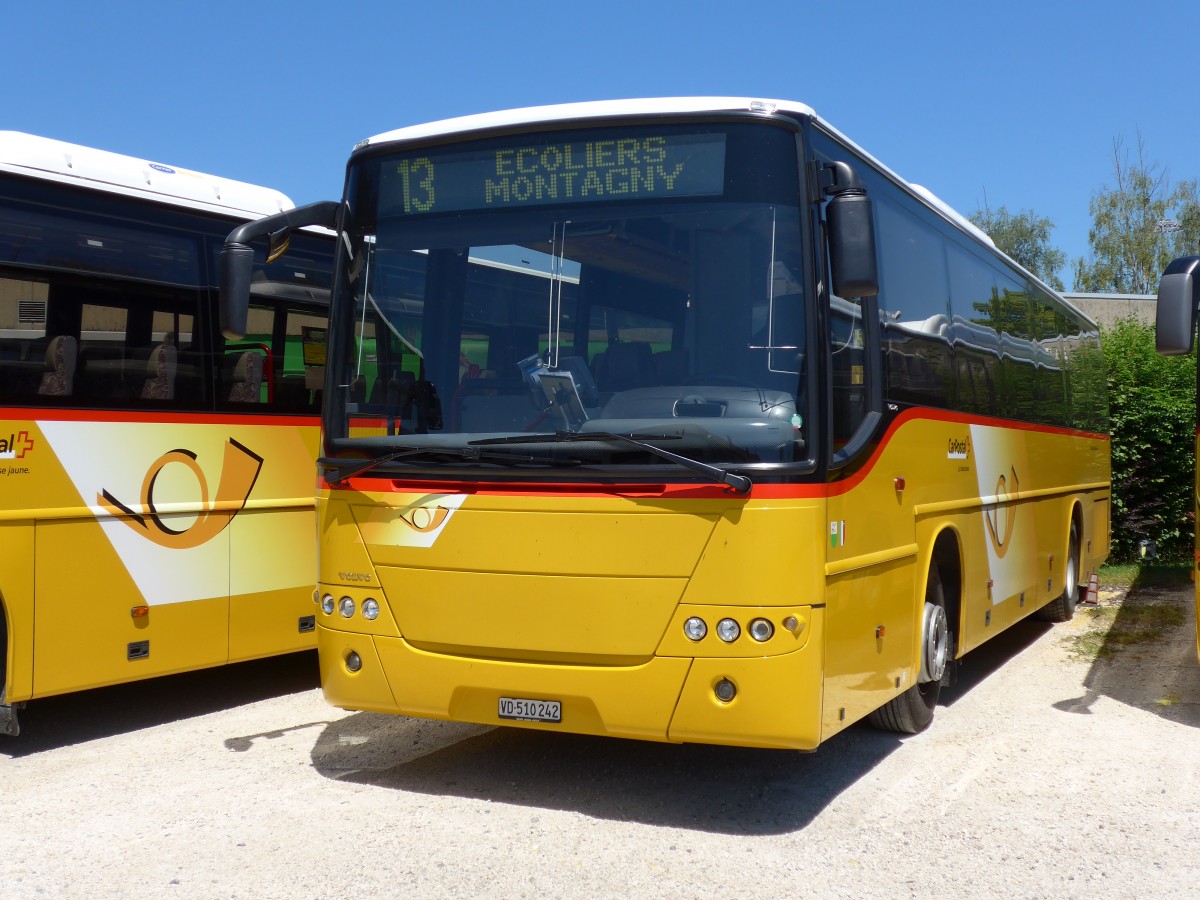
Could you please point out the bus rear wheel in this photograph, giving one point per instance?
(912, 711)
(1062, 607)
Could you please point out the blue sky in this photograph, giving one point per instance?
(1014, 104)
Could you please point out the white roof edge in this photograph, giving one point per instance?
(52, 160)
(934, 200)
(596, 109)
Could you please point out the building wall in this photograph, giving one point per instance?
(1108, 308)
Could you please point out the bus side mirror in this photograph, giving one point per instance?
(236, 267)
(236, 260)
(1175, 313)
(850, 221)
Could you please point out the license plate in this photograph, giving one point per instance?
(530, 710)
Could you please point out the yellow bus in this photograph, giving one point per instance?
(157, 510)
(1174, 334)
(683, 420)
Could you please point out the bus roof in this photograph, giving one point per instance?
(598, 109)
(39, 157)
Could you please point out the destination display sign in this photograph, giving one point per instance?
(614, 166)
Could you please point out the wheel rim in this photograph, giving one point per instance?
(935, 643)
(1072, 573)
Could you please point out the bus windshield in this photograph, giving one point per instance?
(645, 281)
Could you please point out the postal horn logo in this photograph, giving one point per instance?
(1001, 518)
(425, 519)
(239, 471)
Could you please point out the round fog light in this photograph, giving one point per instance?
(761, 630)
(695, 628)
(728, 630)
(370, 609)
(346, 607)
(725, 690)
(327, 604)
(353, 661)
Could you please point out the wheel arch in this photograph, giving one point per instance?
(1082, 561)
(947, 557)
(1076, 519)
(5, 648)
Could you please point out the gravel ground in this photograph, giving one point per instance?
(1041, 776)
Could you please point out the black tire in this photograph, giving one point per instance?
(912, 711)
(1062, 607)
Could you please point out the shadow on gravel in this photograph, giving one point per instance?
(1145, 654)
(103, 712)
(727, 790)
(987, 658)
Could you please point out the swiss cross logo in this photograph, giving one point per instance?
(15, 446)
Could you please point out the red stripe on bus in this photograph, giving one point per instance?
(807, 490)
(35, 414)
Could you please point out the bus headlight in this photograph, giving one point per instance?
(370, 609)
(695, 629)
(328, 604)
(346, 607)
(728, 630)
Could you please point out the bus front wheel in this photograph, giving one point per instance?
(912, 711)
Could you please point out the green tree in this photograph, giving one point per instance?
(1025, 237)
(1152, 415)
(1138, 226)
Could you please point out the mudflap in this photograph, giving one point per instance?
(950, 674)
(9, 725)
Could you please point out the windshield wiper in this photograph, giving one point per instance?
(346, 469)
(739, 483)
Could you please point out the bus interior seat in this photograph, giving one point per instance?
(670, 367)
(394, 391)
(160, 373)
(59, 377)
(624, 365)
(246, 378)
